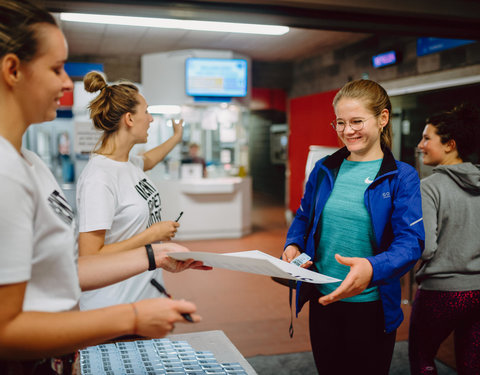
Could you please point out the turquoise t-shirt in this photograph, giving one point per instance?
(346, 226)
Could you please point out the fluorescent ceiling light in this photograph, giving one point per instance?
(164, 109)
(434, 85)
(226, 27)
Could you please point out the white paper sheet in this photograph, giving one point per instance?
(257, 262)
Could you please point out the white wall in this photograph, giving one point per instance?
(163, 75)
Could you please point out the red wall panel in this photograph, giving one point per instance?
(67, 99)
(309, 120)
(262, 98)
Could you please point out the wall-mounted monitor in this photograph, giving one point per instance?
(216, 77)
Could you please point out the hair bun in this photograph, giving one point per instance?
(467, 112)
(94, 81)
(465, 129)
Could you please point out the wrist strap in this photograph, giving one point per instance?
(151, 257)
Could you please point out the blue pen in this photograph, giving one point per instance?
(162, 290)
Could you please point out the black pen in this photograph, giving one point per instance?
(162, 290)
(179, 216)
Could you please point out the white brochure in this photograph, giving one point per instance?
(257, 262)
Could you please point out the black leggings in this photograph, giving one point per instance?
(46, 366)
(349, 338)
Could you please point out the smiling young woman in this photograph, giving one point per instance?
(435, 151)
(448, 296)
(360, 220)
(362, 142)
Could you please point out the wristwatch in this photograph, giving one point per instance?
(151, 258)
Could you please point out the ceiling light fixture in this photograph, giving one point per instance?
(226, 27)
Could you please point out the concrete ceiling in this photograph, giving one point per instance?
(317, 25)
(109, 40)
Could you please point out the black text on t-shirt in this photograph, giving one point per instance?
(150, 194)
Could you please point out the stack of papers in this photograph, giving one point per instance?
(257, 262)
(157, 356)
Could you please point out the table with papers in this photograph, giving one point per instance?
(197, 353)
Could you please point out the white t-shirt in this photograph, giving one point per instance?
(118, 197)
(37, 241)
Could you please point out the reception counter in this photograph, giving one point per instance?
(212, 207)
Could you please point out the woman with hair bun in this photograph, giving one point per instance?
(41, 278)
(119, 207)
(448, 295)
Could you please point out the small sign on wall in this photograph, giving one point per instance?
(86, 137)
(426, 45)
(384, 59)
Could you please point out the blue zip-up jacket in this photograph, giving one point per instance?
(394, 203)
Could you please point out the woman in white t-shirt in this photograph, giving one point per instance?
(119, 207)
(40, 275)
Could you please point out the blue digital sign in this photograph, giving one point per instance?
(209, 77)
(384, 59)
(426, 46)
(79, 69)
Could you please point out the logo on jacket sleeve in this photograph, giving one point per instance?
(386, 195)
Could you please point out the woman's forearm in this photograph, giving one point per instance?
(96, 271)
(133, 242)
(154, 156)
(31, 334)
(42, 334)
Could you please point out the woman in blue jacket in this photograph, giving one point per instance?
(360, 220)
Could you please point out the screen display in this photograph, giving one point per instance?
(426, 46)
(216, 77)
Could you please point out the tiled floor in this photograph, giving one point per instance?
(253, 310)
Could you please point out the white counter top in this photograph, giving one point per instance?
(213, 207)
(226, 185)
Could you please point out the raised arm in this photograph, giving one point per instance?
(154, 156)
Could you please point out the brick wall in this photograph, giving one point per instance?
(331, 70)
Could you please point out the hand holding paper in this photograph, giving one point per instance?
(257, 262)
(292, 252)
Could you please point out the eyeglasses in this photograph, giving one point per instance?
(356, 124)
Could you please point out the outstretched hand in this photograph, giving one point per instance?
(172, 265)
(357, 279)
